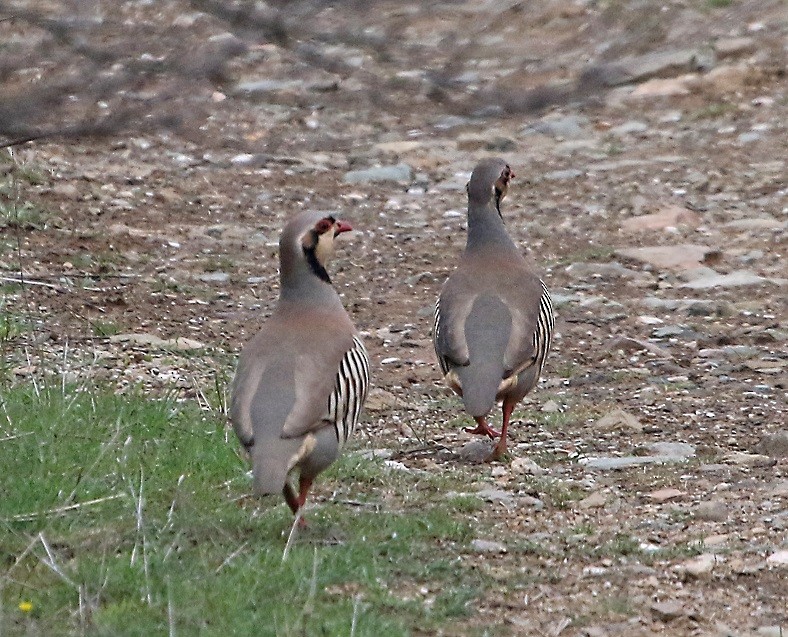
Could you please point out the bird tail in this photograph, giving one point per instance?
(272, 460)
(480, 382)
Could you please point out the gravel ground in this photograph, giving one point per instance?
(649, 147)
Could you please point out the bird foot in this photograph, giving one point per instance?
(483, 429)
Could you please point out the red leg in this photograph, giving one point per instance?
(290, 497)
(500, 448)
(295, 502)
(482, 428)
(303, 488)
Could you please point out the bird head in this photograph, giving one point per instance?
(319, 240)
(489, 182)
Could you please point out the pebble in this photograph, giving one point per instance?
(397, 172)
(488, 546)
(563, 175)
(153, 341)
(618, 419)
(663, 495)
(734, 279)
(675, 257)
(778, 558)
(628, 128)
(665, 611)
(526, 466)
(774, 445)
(562, 126)
(682, 449)
(625, 462)
(214, 277)
(742, 459)
(700, 566)
(596, 500)
(711, 511)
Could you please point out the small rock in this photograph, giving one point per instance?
(526, 466)
(214, 277)
(254, 88)
(497, 495)
(561, 126)
(398, 172)
(475, 451)
(676, 257)
(421, 277)
(665, 611)
(663, 87)
(618, 419)
(770, 631)
(488, 546)
(778, 558)
(628, 128)
(727, 47)
(711, 511)
(594, 501)
(741, 459)
(398, 147)
(380, 400)
(699, 566)
(672, 449)
(177, 344)
(550, 407)
(734, 279)
(663, 495)
(774, 445)
(659, 64)
(668, 217)
(778, 489)
(626, 462)
(563, 175)
(69, 191)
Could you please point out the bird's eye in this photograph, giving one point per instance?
(323, 225)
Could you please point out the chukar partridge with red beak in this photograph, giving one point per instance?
(302, 380)
(494, 318)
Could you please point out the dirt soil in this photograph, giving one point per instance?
(173, 235)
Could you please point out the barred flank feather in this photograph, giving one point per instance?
(435, 336)
(350, 391)
(545, 323)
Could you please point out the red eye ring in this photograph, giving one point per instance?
(324, 225)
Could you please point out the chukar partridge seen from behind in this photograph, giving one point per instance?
(302, 380)
(494, 318)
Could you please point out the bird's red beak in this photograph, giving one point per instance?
(342, 226)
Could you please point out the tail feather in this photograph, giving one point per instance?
(480, 384)
(272, 460)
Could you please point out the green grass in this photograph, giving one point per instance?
(125, 515)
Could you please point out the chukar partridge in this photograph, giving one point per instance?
(494, 318)
(302, 380)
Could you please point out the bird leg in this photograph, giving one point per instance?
(295, 502)
(500, 449)
(482, 428)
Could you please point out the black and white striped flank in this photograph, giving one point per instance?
(545, 323)
(350, 391)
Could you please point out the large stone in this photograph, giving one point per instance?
(675, 257)
(668, 217)
(663, 87)
(774, 445)
(156, 342)
(660, 64)
(732, 280)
